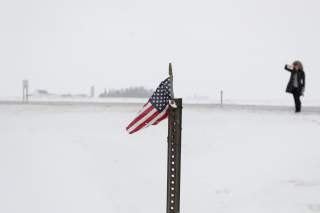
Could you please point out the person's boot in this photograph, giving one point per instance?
(299, 107)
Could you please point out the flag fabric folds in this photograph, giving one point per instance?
(155, 110)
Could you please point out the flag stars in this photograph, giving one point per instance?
(160, 98)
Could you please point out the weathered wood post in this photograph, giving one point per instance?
(221, 97)
(174, 153)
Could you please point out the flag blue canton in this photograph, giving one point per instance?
(161, 97)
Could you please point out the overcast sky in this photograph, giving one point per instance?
(238, 46)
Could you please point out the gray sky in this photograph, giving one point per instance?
(238, 46)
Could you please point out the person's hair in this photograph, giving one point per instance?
(299, 64)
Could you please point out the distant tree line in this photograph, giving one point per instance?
(131, 92)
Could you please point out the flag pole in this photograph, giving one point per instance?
(171, 80)
(174, 151)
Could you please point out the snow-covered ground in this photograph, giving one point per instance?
(285, 100)
(79, 159)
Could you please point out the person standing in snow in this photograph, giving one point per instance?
(296, 85)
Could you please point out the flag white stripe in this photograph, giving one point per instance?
(158, 117)
(141, 114)
(143, 119)
(144, 108)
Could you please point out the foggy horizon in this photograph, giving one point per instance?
(238, 47)
(237, 130)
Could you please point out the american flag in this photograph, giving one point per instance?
(155, 110)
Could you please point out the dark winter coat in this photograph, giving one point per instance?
(301, 81)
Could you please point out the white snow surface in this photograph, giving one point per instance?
(286, 100)
(79, 159)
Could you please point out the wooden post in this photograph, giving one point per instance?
(221, 97)
(174, 157)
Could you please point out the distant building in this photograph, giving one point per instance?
(92, 92)
(25, 90)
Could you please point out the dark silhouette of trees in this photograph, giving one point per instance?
(131, 92)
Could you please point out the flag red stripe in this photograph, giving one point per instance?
(143, 124)
(161, 118)
(140, 116)
(146, 104)
(142, 120)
